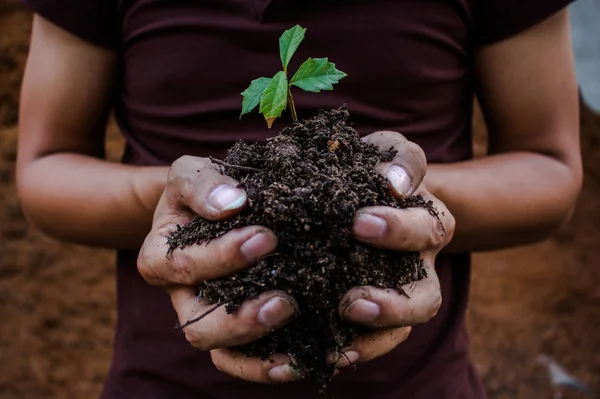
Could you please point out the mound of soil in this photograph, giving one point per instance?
(307, 184)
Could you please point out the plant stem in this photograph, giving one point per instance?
(197, 319)
(292, 106)
(228, 165)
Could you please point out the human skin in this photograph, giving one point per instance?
(520, 193)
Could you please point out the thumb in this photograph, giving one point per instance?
(407, 169)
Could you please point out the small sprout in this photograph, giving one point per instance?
(274, 94)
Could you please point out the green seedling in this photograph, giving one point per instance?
(274, 94)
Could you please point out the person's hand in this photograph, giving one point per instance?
(388, 312)
(196, 187)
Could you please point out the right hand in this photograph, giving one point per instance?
(196, 187)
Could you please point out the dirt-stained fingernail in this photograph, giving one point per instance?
(363, 311)
(284, 373)
(257, 246)
(276, 311)
(369, 226)
(227, 198)
(399, 179)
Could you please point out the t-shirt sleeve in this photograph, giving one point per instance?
(94, 21)
(496, 20)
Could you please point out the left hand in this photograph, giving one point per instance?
(388, 312)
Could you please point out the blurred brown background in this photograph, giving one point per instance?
(57, 301)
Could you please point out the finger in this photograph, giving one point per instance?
(218, 329)
(385, 308)
(406, 171)
(370, 346)
(410, 229)
(195, 186)
(192, 265)
(276, 369)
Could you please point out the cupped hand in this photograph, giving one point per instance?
(196, 187)
(390, 313)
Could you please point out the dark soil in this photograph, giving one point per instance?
(306, 185)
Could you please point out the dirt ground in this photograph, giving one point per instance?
(57, 301)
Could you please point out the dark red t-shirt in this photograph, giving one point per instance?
(182, 66)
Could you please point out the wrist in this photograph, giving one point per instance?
(147, 185)
(434, 179)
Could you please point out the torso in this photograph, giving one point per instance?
(184, 64)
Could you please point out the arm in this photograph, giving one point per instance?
(66, 187)
(529, 184)
(70, 192)
(519, 194)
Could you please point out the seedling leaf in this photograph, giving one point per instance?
(317, 74)
(275, 94)
(274, 99)
(253, 93)
(289, 42)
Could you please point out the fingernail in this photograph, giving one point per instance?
(257, 246)
(399, 179)
(284, 373)
(369, 226)
(347, 359)
(227, 198)
(363, 311)
(275, 312)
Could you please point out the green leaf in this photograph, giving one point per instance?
(253, 93)
(289, 42)
(317, 74)
(274, 98)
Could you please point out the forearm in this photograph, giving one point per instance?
(90, 201)
(504, 200)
